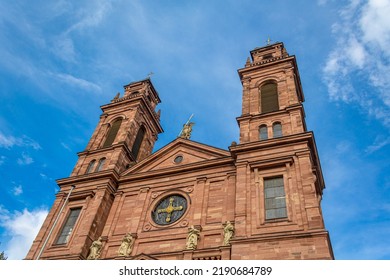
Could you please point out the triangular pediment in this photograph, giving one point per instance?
(143, 257)
(179, 152)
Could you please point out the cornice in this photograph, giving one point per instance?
(90, 177)
(188, 168)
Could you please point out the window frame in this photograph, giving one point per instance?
(139, 139)
(90, 167)
(100, 165)
(277, 133)
(269, 97)
(67, 236)
(284, 197)
(112, 132)
(265, 127)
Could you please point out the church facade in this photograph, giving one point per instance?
(258, 199)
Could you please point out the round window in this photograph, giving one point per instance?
(170, 209)
(178, 159)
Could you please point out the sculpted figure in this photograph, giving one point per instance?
(126, 245)
(228, 232)
(187, 129)
(192, 239)
(95, 249)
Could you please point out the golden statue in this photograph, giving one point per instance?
(228, 232)
(126, 245)
(192, 238)
(95, 249)
(186, 131)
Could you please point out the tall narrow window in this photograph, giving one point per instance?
(138, 141)
(68, 226)
(275, 198)
(100, 165)
(269, 98)
(263, 132)
(90, 166)
(277, 130)
(113, 131)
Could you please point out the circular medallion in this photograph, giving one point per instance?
(170, 209)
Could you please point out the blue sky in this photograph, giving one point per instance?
(61, 60)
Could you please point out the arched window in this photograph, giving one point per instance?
(90, 166)
(138, 141)
(277, 130)
(100, 165)
(269, 98)
(263, 132)
(112, 133)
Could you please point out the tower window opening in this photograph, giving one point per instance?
(100, 164)
(138, 141)
(263, 132)
(90, 166)
(269, 98)
(277, 130)
(113, 131)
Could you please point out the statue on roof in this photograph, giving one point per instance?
(187, 129)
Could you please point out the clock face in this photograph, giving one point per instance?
(170, 209)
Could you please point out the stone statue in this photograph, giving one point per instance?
(192, 238)
(126, 245)
(228, 232)
(186, 131)
(95, 249)
(116, 97)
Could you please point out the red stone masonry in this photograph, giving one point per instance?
(218, 185)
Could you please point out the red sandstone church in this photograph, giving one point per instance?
(259, 199)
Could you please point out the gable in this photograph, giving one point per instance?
(178, 153)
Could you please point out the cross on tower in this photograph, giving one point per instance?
(170, 208)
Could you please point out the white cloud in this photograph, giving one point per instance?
(357, 68)
(2, 160)
(8, 141)
(378, 144)
(91, 16)
(25, 159)
(78, 82)
(17, 190)
(22, 228)
(66, 146)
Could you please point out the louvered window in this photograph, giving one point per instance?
(112, 133)
(68, 226)
(90, 166)
(275, 198)
(277, 130)
(138, 141)
(269, 98)
(263, 131)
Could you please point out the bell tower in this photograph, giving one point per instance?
(125, 135)
(272, 95)
(126, 132)
(279, 182)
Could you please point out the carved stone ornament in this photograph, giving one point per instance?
(95, 249)
(169, 209)
(228, 233)
(192, 238)
(127, 245)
